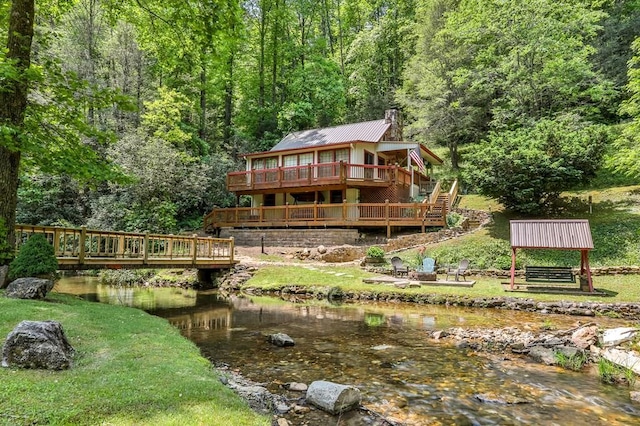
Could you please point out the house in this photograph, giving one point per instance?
(353, 175)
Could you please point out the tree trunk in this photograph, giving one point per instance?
(13, 103)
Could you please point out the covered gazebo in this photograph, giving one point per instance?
(558, 234)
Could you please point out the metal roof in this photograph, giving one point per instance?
(573, 234)
(368, 131)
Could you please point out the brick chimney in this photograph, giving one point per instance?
(395, 131)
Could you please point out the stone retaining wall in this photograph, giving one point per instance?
(291, 237)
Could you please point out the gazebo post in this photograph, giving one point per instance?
(513, 266)
(584, 267)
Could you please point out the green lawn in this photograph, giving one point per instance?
(130, 368)
(622, 288)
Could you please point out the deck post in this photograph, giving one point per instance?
(231, 249)
(261, 213)
(170, 246)
(82, 248)
(145, 248)
(194, 249)
(344, 209)
(315, 211)
(386, 215)
(286, 211)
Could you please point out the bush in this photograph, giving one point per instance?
(454, 219)
(6, 254)
(375, 252)
(36, 257)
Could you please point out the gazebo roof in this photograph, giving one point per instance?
(570, 234)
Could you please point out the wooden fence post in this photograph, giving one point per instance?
(170, 246)
(231, 249)
(195, 249)
(82, 242)
(56, 242)
(145, 249)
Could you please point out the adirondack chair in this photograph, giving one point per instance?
(428, 265)
(458, 271)
(399, 267)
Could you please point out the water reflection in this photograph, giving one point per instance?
(384, 350)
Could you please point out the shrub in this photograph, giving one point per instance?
(36, 257)
(375, 252)
(454, 219)
(6, 254)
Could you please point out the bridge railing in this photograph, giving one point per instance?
(85, 246)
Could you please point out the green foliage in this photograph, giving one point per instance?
(375, 252)
(611, 373)
(454, 219)
(36, 257)
(574, 362)
(527, 169)
(6, 251)
(626, 157)
(44, 199)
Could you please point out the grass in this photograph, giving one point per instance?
(619, 288)
(611, 373)
(614, 221)
(129, 368)
(573, 362)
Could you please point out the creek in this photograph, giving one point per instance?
(385, 351)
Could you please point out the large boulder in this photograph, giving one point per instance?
(37, 344)
(333, 397)
(29, 288)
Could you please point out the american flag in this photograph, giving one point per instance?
(417, 159)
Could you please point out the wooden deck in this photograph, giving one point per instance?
(325, 174)
(354, 215)
(82, 248)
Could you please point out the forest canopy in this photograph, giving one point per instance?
(137, 110)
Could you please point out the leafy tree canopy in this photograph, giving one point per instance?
(527, 169)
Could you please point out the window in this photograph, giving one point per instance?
(269, 200)
(264, 163)
(335, 196)
(334, 156)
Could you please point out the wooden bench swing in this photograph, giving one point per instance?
(563, 274)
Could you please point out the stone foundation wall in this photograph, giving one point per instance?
(291, 237)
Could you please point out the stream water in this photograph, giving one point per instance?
(384, 350)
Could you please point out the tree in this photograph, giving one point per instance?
(14, 69)
(626, 156)
(48, 130)
(502, 65)
(527, 169)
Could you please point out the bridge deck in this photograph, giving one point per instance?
(81, 248)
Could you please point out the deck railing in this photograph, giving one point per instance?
(318, 215)
(317, 174)
(82, 246)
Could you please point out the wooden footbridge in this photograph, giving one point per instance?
(82, 248)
